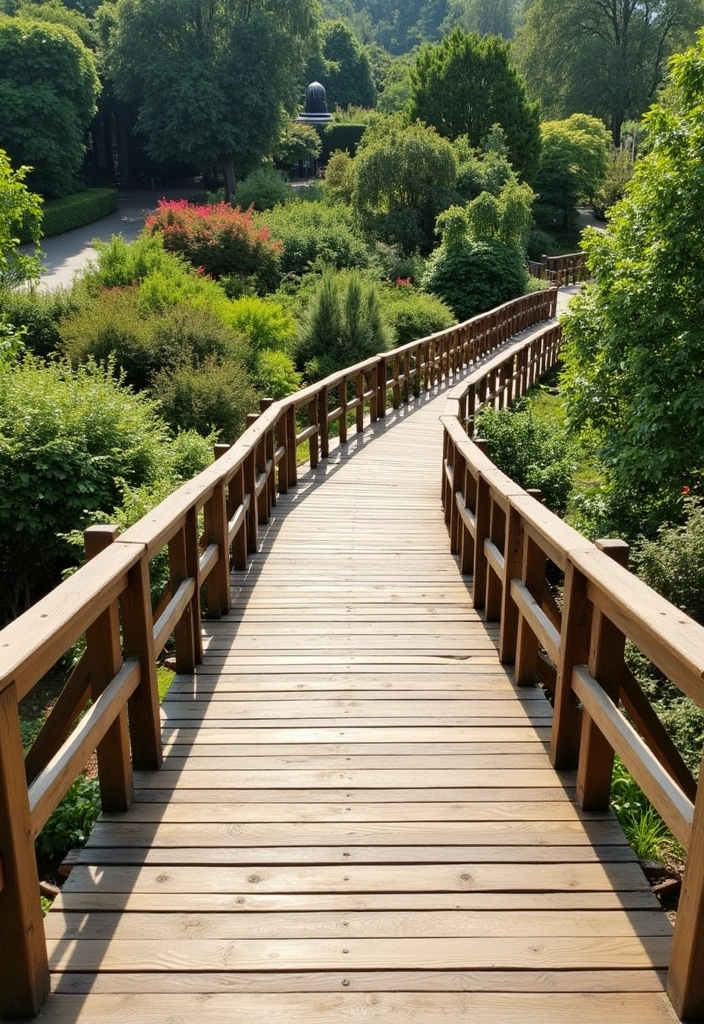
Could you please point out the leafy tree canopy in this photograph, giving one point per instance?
(635, 357)
(18, 207)
(48, 91)
(212, 78)
(487, 17)
(574, 161)
(465, 85)
(607, 59)
(344, 68)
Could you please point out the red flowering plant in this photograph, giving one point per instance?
(404, 282)
(218, 240)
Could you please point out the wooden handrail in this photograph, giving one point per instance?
(505, 539)
(108, 600)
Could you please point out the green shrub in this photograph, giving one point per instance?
(344, 137)
(539, 243)
(75, 211)
(342, 325)
(472, 277)
(533, 452)
(316, 233)
(115, 328)
(673, 563)
(263, 189)
(39, 313)
(274, 374)
(261, 323)
(215, 397)
(412, 314)
(70, 824)
(218, 240)
(65, 438)
(643, 826)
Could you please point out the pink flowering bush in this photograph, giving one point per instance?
(219, 240)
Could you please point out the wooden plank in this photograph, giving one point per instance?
(335, 1008)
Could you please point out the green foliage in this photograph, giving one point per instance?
(613, 187)
(338, 182)
(263, 189)
(635, 343)
(48, 91)
(18, 208)
(412, 314)
(70, 824)
(64, 440)
(296, 142)
(533, 452)
(39, 314)
(673, 562)
(343, 137)
(215, 397)
(74, 211)
(643, 826)
(316, 233)
(114, 328)
(342, 325)
(487, 17)
(402, 176)
(218, 240)
(346, 72)
(466, 84)
(472, 277)
(274, 374)
(211, 79)
(506, 217)
(606, 59)
(574, 162)
(262, 323)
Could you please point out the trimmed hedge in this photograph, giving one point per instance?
(74, 211)
(341, 136)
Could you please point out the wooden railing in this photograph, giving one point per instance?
(207, 525)
(514, 548)
(561, 270)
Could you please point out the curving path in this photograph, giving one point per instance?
(357, 819)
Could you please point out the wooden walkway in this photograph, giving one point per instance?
(357, 819)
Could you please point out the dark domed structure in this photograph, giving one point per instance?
(316, 111)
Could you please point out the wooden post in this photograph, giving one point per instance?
(381, 389)
(596, 756)
(184, 634)
(105, 661)
(282, 442)
(138, 639)
(324, 425)
(240, 546)
(24, 969)
(359, 394)
(217, 586)
(456, 525)
(250, 485)
(374, 388)
(342, 395)
(313, 442)
(291, 446)
(264, 404)
(513, 566)
(685, 980)
(533, 576)
(483, 518)
(494, 583)
(574, 650)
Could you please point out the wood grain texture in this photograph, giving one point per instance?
(357, 818)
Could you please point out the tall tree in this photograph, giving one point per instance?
(487, 17)
(635, 352)
(467, 84)
(573, 165)
(602, 58)
(48, 89)
(213, 78)
(344, 68)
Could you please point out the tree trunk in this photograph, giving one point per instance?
(227, 165)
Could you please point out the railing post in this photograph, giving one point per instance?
(240, 543)
(342, 395)
(596, 756)
(374, 388)
(24, 969)
(314, 439)
(685, 980)
(217, 586)
(513, 564)
(381, 388)
(359, 395)
(250, 485)
(482, 522)
(264, 404)
(323, 425)
(181, 567)
(282, 442)
(291, 446)
(574, 650)
(138, 639)
(105, 661)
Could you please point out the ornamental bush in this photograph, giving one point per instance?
(263, 189)
(219, 240)
(472, 277)
(65, 440)
(316, 232)
(216, 397)
(412, 314)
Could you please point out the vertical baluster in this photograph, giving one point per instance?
(374, 388)
(313, 422)
(216, 528)
(264, 404)
(574, 650)
(250, 483)
(138, 640)
(685, 980)
(596, 756)
(24, 969)
(513, 569)
(381, 388)
(105, 661)
(240, 546)
(533, 576)
(282, 442)
(483, 521)
(494, 583)
(323, 423)
(359, 395)
(342, 392)
(291, 446)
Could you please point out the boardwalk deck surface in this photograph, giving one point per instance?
(357, 819)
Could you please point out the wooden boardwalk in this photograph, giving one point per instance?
(357, 819)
